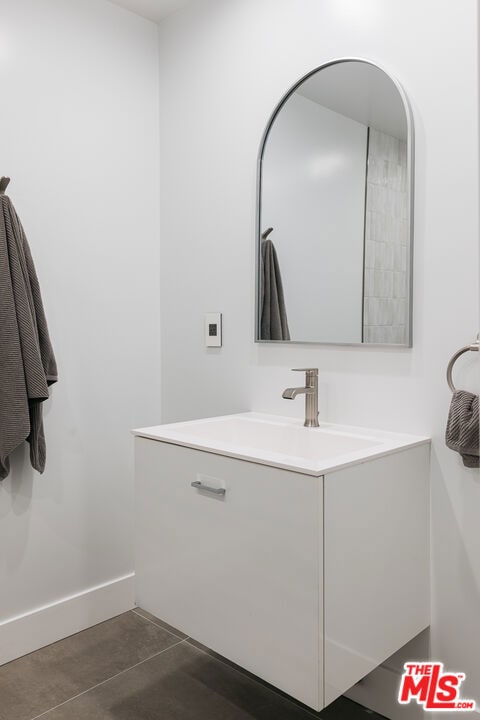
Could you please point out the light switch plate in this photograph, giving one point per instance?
(213, 329)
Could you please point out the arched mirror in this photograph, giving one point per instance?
(334, 211)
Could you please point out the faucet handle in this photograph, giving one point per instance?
(312, 371)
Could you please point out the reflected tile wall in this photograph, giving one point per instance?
(386, 238)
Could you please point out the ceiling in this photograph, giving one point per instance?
(152, 9)
(360, 91)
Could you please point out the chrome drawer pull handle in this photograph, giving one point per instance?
(207, 488)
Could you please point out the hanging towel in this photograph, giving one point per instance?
(273, 322)
(462, 432)
(27, 362)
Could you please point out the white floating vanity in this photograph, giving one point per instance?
(301, 554)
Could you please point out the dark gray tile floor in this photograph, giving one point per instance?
(135, 667)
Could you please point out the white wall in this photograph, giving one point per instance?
(79, 138)
(224, 66)
(313, 195)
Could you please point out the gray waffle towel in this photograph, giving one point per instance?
(273, 322)
(27, 362)
(462, 432)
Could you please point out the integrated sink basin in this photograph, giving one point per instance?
(282, 442)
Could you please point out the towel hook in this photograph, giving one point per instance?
(4, 184)
(267, 233)
(474, 347)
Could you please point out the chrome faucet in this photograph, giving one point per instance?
(311, 395)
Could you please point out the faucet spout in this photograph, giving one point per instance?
(291, 393)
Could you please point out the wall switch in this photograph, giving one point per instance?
(213, 329)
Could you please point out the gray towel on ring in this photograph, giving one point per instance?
(27, 362)
(462, 433)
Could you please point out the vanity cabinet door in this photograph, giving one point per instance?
(239, 572)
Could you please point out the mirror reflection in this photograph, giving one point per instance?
(334, 211)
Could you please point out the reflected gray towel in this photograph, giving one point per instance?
(27, 362)
(273, 322)
(462, 432)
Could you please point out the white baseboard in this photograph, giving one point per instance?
(35, 629)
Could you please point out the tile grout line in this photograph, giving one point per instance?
(157, 625)
(122, 672)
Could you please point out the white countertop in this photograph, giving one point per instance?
(282, 442)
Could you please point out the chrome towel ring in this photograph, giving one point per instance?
(475, 346)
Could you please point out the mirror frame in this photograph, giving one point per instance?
(410, 209)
